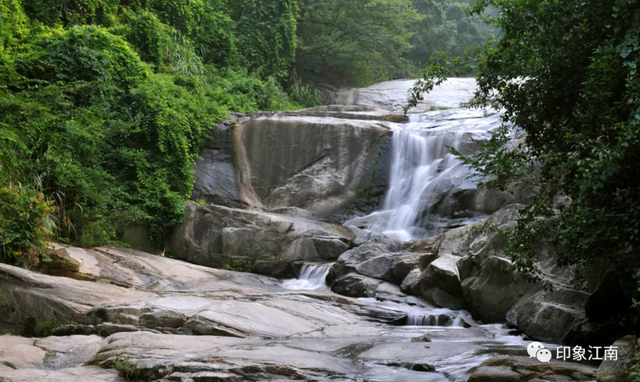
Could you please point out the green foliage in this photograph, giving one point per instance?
(565, 73)
(184, 15)
(215, 39)
(102, 126)
(244, 264)
(80, 55)
(72, 12)
(304, 93)
(240, 91)
(45, 328)
(24, 223)
(635, 369)
(357, 43)
(447, 27)
(126, 369)
(183, 57)
(201, 201)
(267, 36)
(150, 37)
(354, 42)
(13, 22)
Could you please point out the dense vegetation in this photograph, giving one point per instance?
(357, 43)
(566, 74)
(104, 104)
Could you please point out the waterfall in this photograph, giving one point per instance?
(423, 172)
(312, 276)
(429, 320)
(453, 319)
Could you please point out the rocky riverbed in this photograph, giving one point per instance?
(360, 264)
(131, 314)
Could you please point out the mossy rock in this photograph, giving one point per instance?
(60, 260)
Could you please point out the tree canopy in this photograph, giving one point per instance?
(565, 74)
(357, 43)
(105, 104)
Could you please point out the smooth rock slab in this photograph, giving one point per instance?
(218, 302)
(51, 359)
(20, 352)
(517, 369)
(393, 95)
(158, 355)
(76, 374)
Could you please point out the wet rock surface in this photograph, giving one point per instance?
(517, 369)
(619, 370)
(466, 268)
(155, 318)
(152, 318)
(263, 242)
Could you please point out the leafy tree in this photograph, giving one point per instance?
(448, 28)
(13, 22)
(150, 37)
(354, 42)
(215, 38)
(565, 73)
(184, 15)
(98, 139)
(25, 223)
(266, 33)
(72, 12)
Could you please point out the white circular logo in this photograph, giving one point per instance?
(533, 348)
(544, 355)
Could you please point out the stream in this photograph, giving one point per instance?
(423, 172)
(270, 182)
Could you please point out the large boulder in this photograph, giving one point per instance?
(379, 258)
(267, 243)
(554, 316)
(327, 160)
(619, 370)
(355, 285)
(495, 290)
(216, 179)
(440, 283)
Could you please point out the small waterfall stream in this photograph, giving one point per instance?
(423, 172)
(312, 276)
(425, 179)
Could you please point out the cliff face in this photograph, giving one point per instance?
(316, 160)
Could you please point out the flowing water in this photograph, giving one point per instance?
(424, 172)
(312, 276)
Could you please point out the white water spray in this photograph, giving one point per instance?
(312, 276)
(423, 171)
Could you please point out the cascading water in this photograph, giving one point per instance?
(441, 317)
(424, 172)
(312, 276)
(429, 320)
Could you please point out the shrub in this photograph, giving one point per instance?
(25, 220)
(150, 37)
